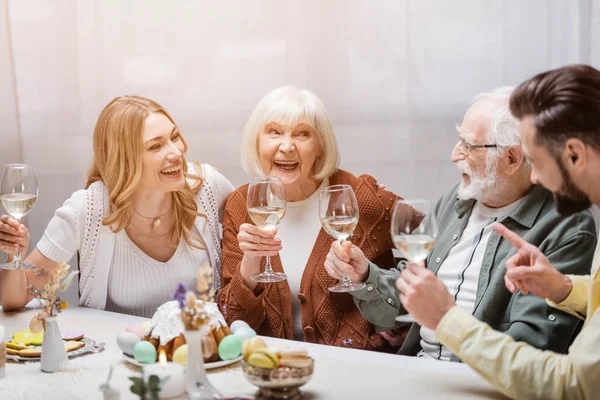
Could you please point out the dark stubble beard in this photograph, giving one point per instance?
(569, 199)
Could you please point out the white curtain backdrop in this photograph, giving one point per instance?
(395, 75)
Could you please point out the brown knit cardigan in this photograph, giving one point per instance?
(327, 318)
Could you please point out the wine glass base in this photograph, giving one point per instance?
(344, 288)
(17, 266)
(269, 278)
(406, 318)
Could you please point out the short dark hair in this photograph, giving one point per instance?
(564, 103)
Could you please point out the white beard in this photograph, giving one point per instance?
(481, 188)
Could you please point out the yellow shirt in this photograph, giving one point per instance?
(521, 371)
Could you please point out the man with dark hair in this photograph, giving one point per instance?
(560, 132)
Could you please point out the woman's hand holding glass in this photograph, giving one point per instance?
(266, 207)
(256, 243)
(13, 234)
(347, 259)
(18, 194)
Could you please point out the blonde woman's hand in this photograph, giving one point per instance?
(255, 243)
(346, 258)
(12, 235)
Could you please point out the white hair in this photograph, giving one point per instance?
(504, 129)
(293, 106)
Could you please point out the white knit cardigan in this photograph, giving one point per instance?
(77, 227)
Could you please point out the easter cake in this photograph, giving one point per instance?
(166, 329)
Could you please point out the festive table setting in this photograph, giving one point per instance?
(338, 372)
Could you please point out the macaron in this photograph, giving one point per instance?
(263, 358)
(251, 345)
(294, 358)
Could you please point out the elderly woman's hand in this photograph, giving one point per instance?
(255, 243)
(12, 235)
(349, 259)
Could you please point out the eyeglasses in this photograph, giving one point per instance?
(468, 146)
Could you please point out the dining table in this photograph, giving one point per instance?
(339, 373)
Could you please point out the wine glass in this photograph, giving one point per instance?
(414, 229)
(18, 194)
(338, 211)
(266, 206)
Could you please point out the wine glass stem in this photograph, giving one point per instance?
(345, 278)
(268, 267)
(17, 253)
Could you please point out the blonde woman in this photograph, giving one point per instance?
(146, 221)
(289, 135)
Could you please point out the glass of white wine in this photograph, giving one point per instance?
(338, 211)
(18, 194)
(266, 206)
(414, 229)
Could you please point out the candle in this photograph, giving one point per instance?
(174, 386)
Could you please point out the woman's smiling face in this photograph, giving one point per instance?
(290, 152)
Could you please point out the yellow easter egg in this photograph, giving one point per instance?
(180, 355)
(145, 325)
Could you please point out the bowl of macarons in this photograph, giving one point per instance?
(278, 372)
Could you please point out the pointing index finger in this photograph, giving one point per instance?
(509, 235)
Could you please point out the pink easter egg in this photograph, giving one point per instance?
(136, 330)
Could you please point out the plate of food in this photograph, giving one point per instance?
(207, 365)
(20, 350)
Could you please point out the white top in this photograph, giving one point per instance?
(460, 270)
(148, 282)
(298, 231)
(77, 228)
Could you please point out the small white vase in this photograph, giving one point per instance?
(197, 385)
(53, 349)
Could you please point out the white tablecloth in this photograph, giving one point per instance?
(339, 373)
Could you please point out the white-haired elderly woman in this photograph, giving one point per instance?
(289, 135)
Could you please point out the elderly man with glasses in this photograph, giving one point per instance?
(469, 256)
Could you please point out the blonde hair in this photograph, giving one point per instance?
(118, 150)
(293, 106)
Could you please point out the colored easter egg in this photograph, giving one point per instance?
(136, 330)
(145, 326)
(180, 355)
(245, 333)
(235, 325)
(144, 352)
(230, 347)
(127, 341)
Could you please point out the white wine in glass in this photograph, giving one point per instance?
(413, 230)
(266, 207)
(415, 248)
(18, 194)
(338, 211)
